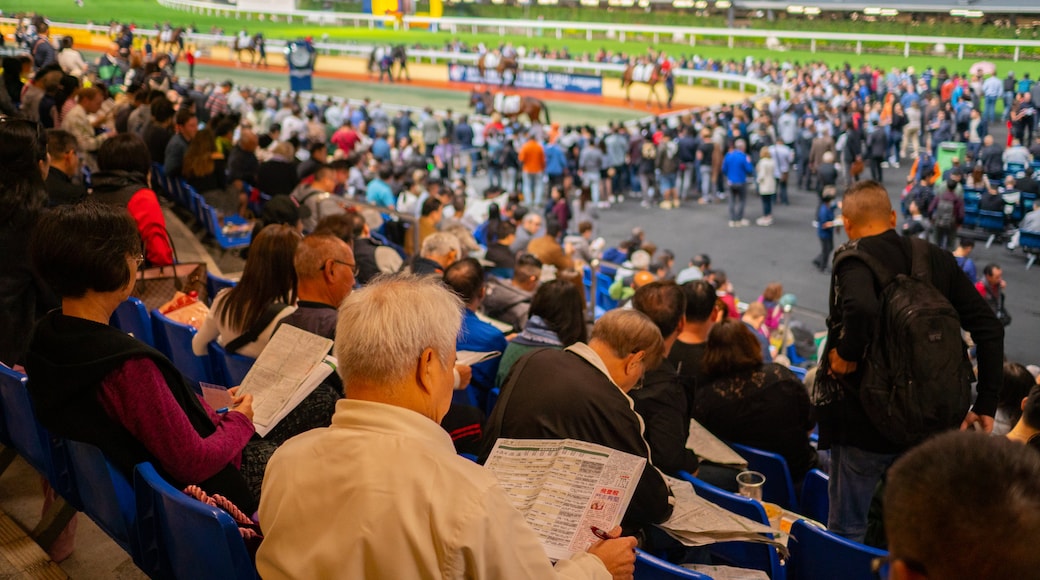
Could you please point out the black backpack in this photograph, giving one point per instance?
(916, 377)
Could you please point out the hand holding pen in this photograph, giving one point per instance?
(239, 404)
(617, 554)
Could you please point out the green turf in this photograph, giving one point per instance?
(148, 13)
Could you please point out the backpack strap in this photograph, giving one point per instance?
(851, 251)
(258, 327)
(920, 260)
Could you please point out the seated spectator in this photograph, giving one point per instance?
(557, 320)
(760, 405)
(1017, 383)
(65, 166)
(242, 319)
(585, 249)
(451, 513)
(242, 164)
(277, 175)
(430, 217)
(581, 392)
(94, 383)
(466, 278)
(754, 318)
(498, 251)
(438, 252)
(992, 200)
(510, 300)
(547, 248)
(325, 277)
(205, 170)
(687, 352)
(1027, 429)
(724, 292)
(699, 265)
(319, 157)
(378, 191)
(186, 125)
(770, 298)
(316, 195)
(530, 225)
(159, 130)
(932, 489)
(623, 286)
(1030, 223)
(122, 181)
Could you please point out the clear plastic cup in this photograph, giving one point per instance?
(749, 484)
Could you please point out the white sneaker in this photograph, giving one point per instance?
(734, 224)
(764, 221)
(895, 164)
(884, 164)
(744, 223)
(645, 204)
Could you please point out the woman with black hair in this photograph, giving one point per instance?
(23, 169)
(122, 180)
(91, 382)
(745, 401)
(556, 320)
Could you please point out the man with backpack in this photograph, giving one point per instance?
(896, 369)
(947, 213)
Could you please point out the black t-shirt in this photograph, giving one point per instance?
(686, 358)
(707, 149)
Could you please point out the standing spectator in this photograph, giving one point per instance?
(991, 288)
(737, 168)
(590, 168)
(765, 178)
(947, 214)
(42, 50)
(217, 103)
(992, 89)
(963, 256)
(532, 160)
(705, 162)
(71, 60)
(432, 129)
(877, 146)
(90, 134)
(783, 160)
(860, 452)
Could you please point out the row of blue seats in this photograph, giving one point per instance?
(180, 192)
(173, 339)
(168, 534)
(993, 224)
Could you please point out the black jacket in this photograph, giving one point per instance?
(61, 190)
(365, 257)
(556, 394)
(855, 309)
(68, 359)
(661, 402)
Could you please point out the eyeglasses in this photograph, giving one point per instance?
(353, 267)
(881, 567)
(139, 260)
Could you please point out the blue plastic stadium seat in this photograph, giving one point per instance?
(132, 318)
(815, 502)
(817, 553)
(229, 369)
(192, 540)
(991, 222)
(1030, 244)
(226, 242)
(44, 452)
(743, 554)
(652, 568)
(174, 340)
(1028, 201)
(107, 495)
(215, 284)
(779, 488)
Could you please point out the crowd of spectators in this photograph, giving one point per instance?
(324, 176)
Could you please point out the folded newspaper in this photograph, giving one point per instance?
(564, 487)
(696, 521)
(710, 448)
(291, 366)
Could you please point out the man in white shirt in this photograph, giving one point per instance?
(992, 89)
(381, 493)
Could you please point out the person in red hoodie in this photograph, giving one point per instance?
(122, 180)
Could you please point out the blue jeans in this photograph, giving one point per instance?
(767, 204)
(989, 111)
(705, 178)
(688, 181)
(534, 188)
(855, 474)
(737, 199)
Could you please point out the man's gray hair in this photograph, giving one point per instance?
(440, 244)
(385, 326)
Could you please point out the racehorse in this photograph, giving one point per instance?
(171, 40)
(251, 47)
(500, 63)
(384, 58)
(647, 73)
(510, 106)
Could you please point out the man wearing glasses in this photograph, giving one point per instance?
(325, 270)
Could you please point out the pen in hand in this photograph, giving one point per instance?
(600, 534)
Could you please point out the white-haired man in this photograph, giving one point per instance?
(381, 493)
(438, 251)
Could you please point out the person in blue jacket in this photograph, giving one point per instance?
(825, 225)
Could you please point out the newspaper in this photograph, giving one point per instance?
(564, 487)
(698, 522)
(710, 448)
(471, 357)
(290, 367)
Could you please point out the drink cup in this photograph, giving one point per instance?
(749, 484)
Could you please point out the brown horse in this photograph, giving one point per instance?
(529, 106)
(628, 78)
(505, 63)
(171, 40)
(250, 47)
